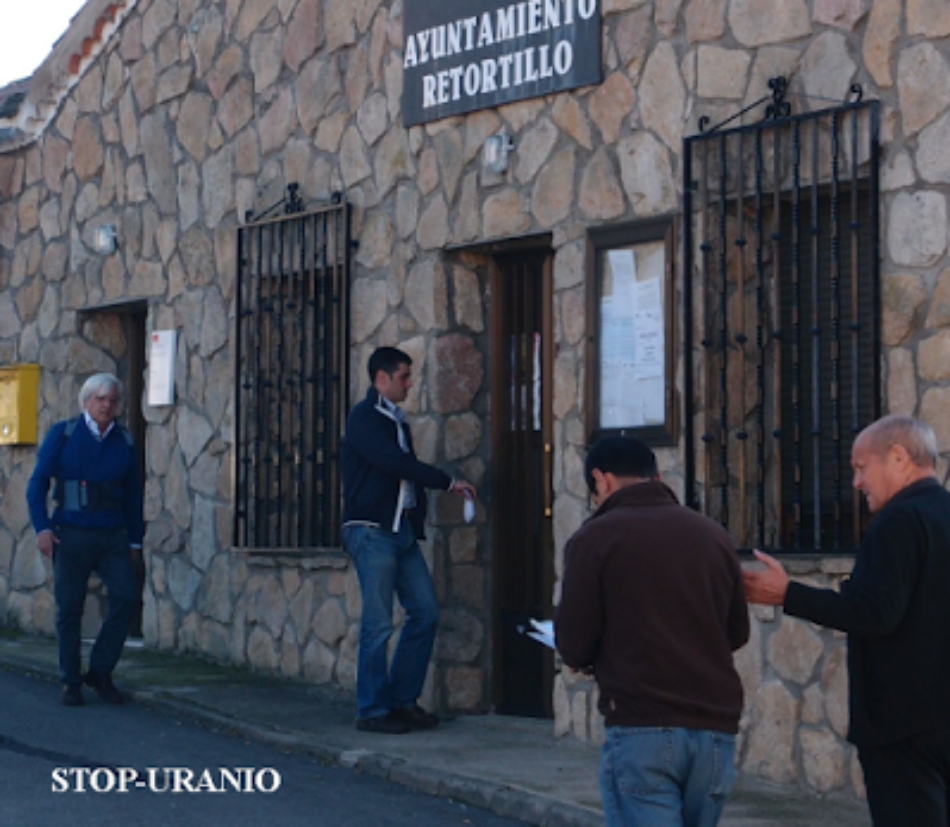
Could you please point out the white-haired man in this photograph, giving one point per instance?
(895, 608)
(96, 523)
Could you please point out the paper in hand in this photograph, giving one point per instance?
(543, 632)
(468, 510)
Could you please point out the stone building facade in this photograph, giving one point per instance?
(174, 119)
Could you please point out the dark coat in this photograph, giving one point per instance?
(652, 599)
(373, 464)
(895, 608)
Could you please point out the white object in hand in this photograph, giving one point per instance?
(543, 632)
(469, 508)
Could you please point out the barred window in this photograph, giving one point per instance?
(781, 292)
(291, 372)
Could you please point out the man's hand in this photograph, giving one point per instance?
(768, 585)
(462, 487)
(45, 541)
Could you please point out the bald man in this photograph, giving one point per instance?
(895, 608)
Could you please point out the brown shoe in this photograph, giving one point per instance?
(416, 717)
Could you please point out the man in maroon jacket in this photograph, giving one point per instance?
(652, 603)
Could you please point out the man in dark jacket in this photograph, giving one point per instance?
(384, 514)
(96, 527)
(895, 608)
(652, 603)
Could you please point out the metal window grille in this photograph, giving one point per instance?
(292, 313)
(781, 269)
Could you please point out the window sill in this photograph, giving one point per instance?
(310, 559)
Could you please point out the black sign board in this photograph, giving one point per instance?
(463, 55)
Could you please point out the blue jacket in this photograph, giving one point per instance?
(374, 469)
(111, 465)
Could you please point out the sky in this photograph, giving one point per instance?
(30, 28)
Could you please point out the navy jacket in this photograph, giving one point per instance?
(896, 610)
(374, 468)
(111, 464)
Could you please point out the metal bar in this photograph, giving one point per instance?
(280, 290)
(706, 250)
(796, 335)
(688, 430)
(816, 429)
(778, 420)
(836, 329)
(760, 344)
(344, 332)
(309, 501)
(741, 340)
(299, 387)
(240, 443)
(855, 227)
(723, 337)
(874, 223)
(257, 438)
(324, 305)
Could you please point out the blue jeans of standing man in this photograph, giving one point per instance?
(388, 564)
(666, 777)
(80, 553)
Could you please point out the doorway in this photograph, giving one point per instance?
(100, 325)
(522, 439)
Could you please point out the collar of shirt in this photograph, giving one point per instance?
(94, 427)
(408, 497)
(394, 409)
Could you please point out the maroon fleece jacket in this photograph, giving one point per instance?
(652, 600)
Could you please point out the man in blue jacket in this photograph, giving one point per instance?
(96, 525)
(383, 519)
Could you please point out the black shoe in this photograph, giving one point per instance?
(416, 717)
(102, 683)
(387, 724)
(72, 695)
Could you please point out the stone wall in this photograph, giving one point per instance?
(193, 113)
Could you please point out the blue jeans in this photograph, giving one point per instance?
(80, 553)
(660, 777)
(388, 564)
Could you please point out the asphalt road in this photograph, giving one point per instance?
(131, 766)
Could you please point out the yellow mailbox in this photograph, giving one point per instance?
(18, 386)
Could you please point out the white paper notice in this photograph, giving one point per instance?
(633, 348)
(623, 267)
(618, 402)
(161, 368)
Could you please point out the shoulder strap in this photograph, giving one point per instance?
(73, 423)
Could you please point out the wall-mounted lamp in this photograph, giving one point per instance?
(495, 152)
(103, 239)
